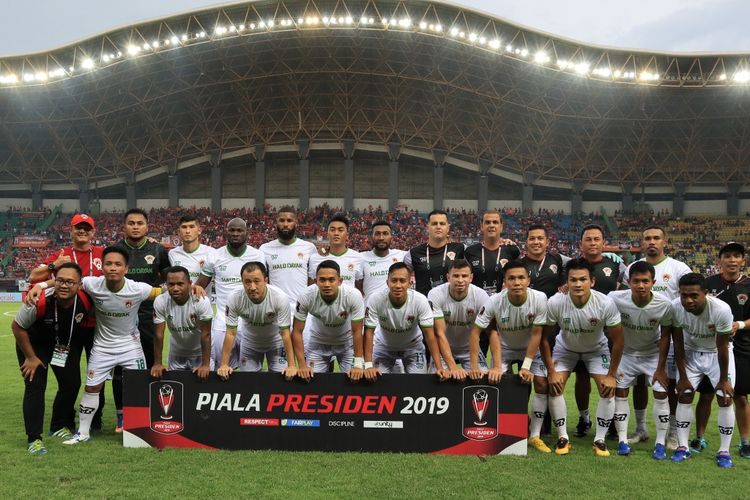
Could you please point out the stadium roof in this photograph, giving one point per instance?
(430, 76)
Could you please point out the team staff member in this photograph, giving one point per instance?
(546, 270)
(488, 257)
(49, 335)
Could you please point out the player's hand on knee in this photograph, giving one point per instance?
(157, 371)
(202, 372)
(356, 374)
(725, 387)
(29, 367)
(526, 375)
(661, 377)
(494, 375)
(459, 374)
(683, 386)
(607, 386)
(372, 374)
(555, 383)
(224, 372)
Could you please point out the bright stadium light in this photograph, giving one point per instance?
(155, 44)
(42, 77)
(146, 46)
(723, 77)
(509, 48)
(242, 27)
(454, 31)
(184, 38)
(439, 28)
(495, 44)
(28, 77)
(174, 40)
(541, 57)
(202, 34)
(105, 58)
(220, 30)
(472, 37)
(363, 21)
(405, 23)
(603, 72)
(742, 76)
(524, 52)
(325, 20)
(582, 68)
(349, 20)
(423, 25)
(8, 79)
(87, 63)
(563, 63)
(232, 29)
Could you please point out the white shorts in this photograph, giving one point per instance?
(186, 362)
(537, 366)
(463, 358)
(597, 362)
(321, 356)
(101, 364)
(413, 359)
(632, 366)
(218, 332)
(698, 364)
(251, 360)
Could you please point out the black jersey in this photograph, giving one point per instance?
(487, 265)
(546, 275)
(736, 294)
(433, 271)
(146, 264)
(607, 275)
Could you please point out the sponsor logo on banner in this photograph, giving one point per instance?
(383, 424)
(480, 409)
(166, 406)
(260, 422)
(299, 422)
(341, 423)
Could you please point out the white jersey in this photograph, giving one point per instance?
(514, 323)
(116, 313)
(699, 332)
(287, 265)
(262, 322)
(375, 270)
(224, 268)
(668, 274)
(459, 315)
(183, 322)
(397, 329)
(582, 329)
(192, 261)
(641, 325)
(350, 263)
(330, 323)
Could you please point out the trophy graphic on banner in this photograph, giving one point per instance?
(166, 398)
(480, 401)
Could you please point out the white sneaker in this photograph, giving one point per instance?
(672, 443)
(639, 436)
(77, 438)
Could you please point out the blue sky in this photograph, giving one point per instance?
(663, 25)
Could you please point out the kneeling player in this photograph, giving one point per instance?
(336, 313)
(647, 330)
(520, 314)
(702, 327)
(393, 322)
(264, 331)
(581, 316)
(189, 324)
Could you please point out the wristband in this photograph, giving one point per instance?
(359, 363)
(741, 325)
(43, 285)
(368, 364)
(526, 363)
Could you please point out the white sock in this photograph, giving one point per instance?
(672, 425)
(89, 405)
(661, 419)
(538, 409)
(604, 412)
(558, 410)
(584, 414)
(621, 416)
(726, 427)
(683, 418)
(640, 420)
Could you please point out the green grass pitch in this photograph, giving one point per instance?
(104, 469)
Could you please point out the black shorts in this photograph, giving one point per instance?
(742, 373)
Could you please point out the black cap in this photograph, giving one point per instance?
(732, 246)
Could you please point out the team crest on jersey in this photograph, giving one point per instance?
(566, 321)
(300, 255)
(270, 314)
(712, 328)
(742, 298)
(503, 262)
(78, 317)
(149, 259)
(395, 260)
(653, 322)
(625, 315)
(343, 314)
(128, 303)
(475, 263)
(223, 267)
(666, 277)
(447, 314)
(470, 312)
(451, 255)
(99, 302)
(607, 271)
(193, 317)
(410, 319)
(593, 321)
(201, 263)
(372, 263)
(553, 268)
(350, 267)
(530, 317)
(98, 263)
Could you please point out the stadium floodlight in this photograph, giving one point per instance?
(482, 40)
(119, 54)
(363, 20)
(146, 46)
(9, 79)
(167, 42)
(332, 20)
(87, 63)
(325, 19)
(28, 77)
(422, 25)
(494, 44)
(742, 76)
(349, 20)
(155, 44)
(271, 23)
(454, 31)
(405, 22)
(562, 63)
(252, 26)
(105, 58)
(370, 20)
(202, 34)
(723, 77)
(342, 20)
(524, 52)
(174, 40)
(41, 76)
(603, 72)
(472, 37)
(184, 38)
(57, 72)
(232, 29)
(541, 57)
(300, 20)
(242, 27)
(219, 30)
(439, 28)
(509, 48)
(582, 68)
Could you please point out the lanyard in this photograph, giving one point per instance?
(445, 256)
(91, 259)
(72, 322)
(728, 285)
(484, 269)
(541, 265)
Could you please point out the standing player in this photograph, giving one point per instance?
(455, 307)
(545, 268)
(647, 325)
(668, 273)
(265, 329)
(488, 257)
(287, 257)
(396, 323)
(349, 261)
(375, 262)
(223, 267)
(520, 314)
(581, 316)
(192, 254)
(335, 314)
(702, 327)
(430, 261)
(189, 324)
(733, 287)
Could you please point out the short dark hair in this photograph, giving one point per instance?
(254, 265)
(436, 212)
(70, 265)
(189, 218)
(396, 266)
(177, 270)
(138, 211)
(115, 249)
(535, 227)
(288, 209)
(691, 279)
(459, 264)
(653, 226)
(591, 227)
(641, 266)
(329, 264)
(338, 218)
(380, 222)
(578, 264)
(515, 264)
